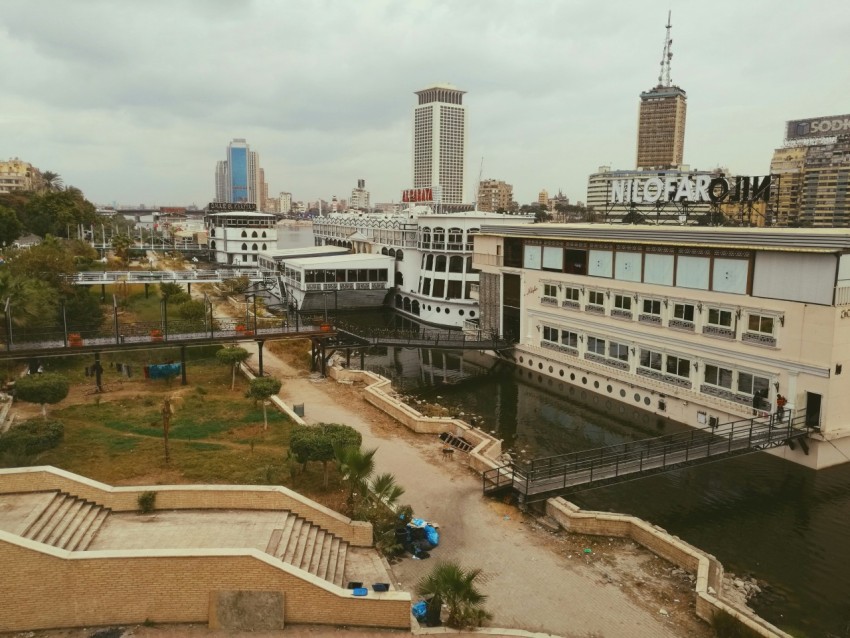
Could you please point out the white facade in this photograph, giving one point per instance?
(360, 196)
(439, 141)
(285, 203)
(698, 325)
(238, 238)
(434, 277)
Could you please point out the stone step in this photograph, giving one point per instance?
(322, 537)
(324, 559)
(287, 532)
(68, 523)
(37, 510)
(274, 541)
(309, 547)
(93, 529)
(330, 567)
(306, 528)
(34, 529)
(55, 518)
(292, 541)
(71, 542)
(339, 577)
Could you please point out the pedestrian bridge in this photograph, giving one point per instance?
(92, 278)
(551, 476)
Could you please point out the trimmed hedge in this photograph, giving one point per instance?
(32, 437)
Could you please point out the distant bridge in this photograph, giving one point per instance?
(555, 475)
(349, 336)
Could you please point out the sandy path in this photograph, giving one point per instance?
(529, 585)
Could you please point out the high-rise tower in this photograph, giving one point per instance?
(661, 120)
(238, 179)
(439, 142)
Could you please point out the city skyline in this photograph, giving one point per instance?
(551, 93)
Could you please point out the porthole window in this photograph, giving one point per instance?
(539, 366)
(521, 360)
(646, 401)
(610, 389)
(623, 393)
(596, 384)
(551, 369)
(530, 362)
(448, 310)
(637, 397)
(572, 376)
(460, 312)
(471, 313)
(584, 380)
(561, 372)
(539, 379)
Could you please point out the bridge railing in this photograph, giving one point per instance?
(414, 336)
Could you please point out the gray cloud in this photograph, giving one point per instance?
(135, 102)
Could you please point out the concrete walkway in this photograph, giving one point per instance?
(530, 586)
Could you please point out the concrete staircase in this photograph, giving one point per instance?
(311, 548)
(66, 522)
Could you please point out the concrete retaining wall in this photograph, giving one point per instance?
(51, 588)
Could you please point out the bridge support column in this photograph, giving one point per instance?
(98, 372)
(147, 287)
(324, 360)
(260, 343)
(189, 288)
(362, 360)
(183, 380)
(348, 357)
(103, 292)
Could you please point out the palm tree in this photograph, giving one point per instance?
(356, 466)
(121, 244)
(52, 181)
(453, 585)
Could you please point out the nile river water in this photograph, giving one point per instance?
(785, 525)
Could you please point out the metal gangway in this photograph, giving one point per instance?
(354, 336)
(551, 476)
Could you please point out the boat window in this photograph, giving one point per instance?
(441, 263)
(351, 275)
(456, 263)
(455, 289)
(439, 288)
(426, 286)
(429, 262)
(439, 238)
(399, 256)
(455, 239)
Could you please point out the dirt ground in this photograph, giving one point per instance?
(536, 579)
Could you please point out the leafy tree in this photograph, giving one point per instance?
(83, 312)
(316, 443)
(58, 213)
(261, 389)
(455, 586)
(49, 261)
(357, 467)
(32, 301)
(121, 245)
(42, 389)
(10, 226)
(232, 357)
(82, 252)
(192, 310)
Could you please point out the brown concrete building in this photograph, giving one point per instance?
(494, 194)
(661, 127)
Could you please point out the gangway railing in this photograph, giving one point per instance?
(426, 338)
(544, 477)
(94, 277)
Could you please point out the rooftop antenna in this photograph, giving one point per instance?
(478, 188)
(666, 55)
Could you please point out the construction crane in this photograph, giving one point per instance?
(666, 55)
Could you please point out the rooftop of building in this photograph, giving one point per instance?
(785, 239)
(443, 85)
(240, 213)
(330, 261)
(664, 91)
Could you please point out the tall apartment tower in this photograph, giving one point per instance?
(494, 195)
(238, 179)
(661, 119)
(439, 142)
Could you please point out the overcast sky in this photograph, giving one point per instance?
(134, 102)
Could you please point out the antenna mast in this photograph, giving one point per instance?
(666, 55)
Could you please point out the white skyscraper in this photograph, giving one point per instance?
(439, 141)
(359, 196)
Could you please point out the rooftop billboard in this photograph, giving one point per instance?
(829, 126)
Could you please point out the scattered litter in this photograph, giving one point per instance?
(506, 517)
(663, 612)
(587, 550)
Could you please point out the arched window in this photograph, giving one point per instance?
(456, 263)
(470, 233)
(254, 234)
(407, 304)
(253, 246)
(244, 233)
(392, 252)
(441, 264)
(415, 307)
(429, 262)
(399, 255)
(212, 244)
(426, 238)
(244, 246)
(399, 280)
(384, 251)
(264, 247)
(455, 239)
(398, 301)
(264, 234)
